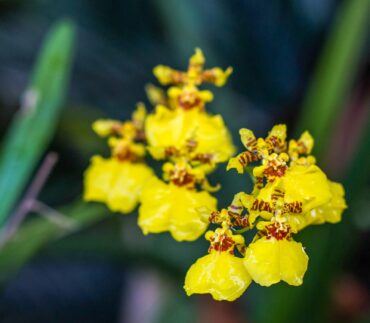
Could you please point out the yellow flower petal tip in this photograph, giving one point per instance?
(197, 58)
(269, 261)
(156, 95)
(278, 131)
(220, 274)
(221, 76)
(247, 137)
(106, 127)
(115, 183)
(307, 141)
(163, 74)
(167, 207)
(234, 163)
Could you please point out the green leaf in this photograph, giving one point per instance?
(336, 70)
(34, 124)
(38, 232)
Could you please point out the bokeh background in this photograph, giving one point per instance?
(301, 62)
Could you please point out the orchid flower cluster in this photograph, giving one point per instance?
(179, 132)
(290, 191)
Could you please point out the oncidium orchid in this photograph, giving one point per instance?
(290, 192)
(180, 133)
(118, 180)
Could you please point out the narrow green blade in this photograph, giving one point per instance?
(34, 124)
(335, 73)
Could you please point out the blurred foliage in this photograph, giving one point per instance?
(36, 233)
(33, 125)
(336, 72)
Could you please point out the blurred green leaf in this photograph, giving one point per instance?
(336, 70)
(361, 211)
(34, 124)
(37, 232)
(105, 241)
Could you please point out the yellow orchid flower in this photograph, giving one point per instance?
(302, 146)
(126, 149)
(258, 149)
(299, 190)
(303, 188)
(115, 183)
(168, 207)
(169, 131)
(307, 185)
(195, 75)
(275, 206)
(269, 261)
(130, 130)
(273, 166)
(275, 257)
(219, 273)
(230, 217)
(106, 127)
(188, 97)
(183, 174)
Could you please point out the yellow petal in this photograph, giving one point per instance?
(220, 274)
(98, 179)
(206, 96)
(197, 58)
(296, 222)
(279, 132)
(308, 185)
(139, 114)
(174, 128)
(235, 162)
(188, 97)
(163, 74)
(167, 207)
(332, 210)
(269, 261)
(220, 75)
(307, 142)
(248, 138)
(156, 95)
(118, 184)
(105, 127)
